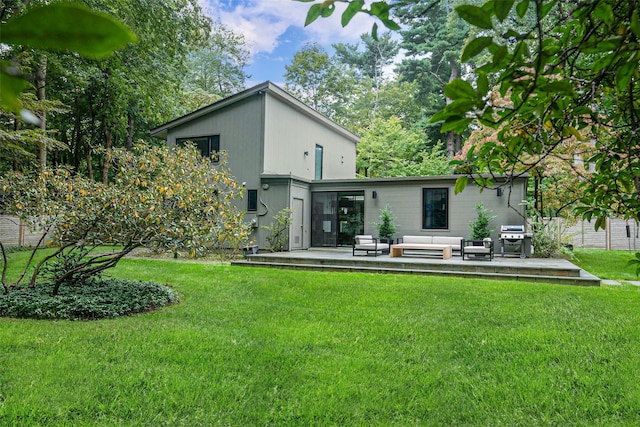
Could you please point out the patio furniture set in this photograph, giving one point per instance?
(440, 245)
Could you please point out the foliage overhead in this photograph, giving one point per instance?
(57, 27)
(102, 103)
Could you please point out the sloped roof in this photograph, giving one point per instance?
(266, 87)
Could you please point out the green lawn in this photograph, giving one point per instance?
(251, 346)
(606, 264)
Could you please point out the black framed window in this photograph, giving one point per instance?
(209, 146)
(435, 208)
(319, 155)
(252, 200)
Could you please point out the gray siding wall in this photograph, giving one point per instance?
(405, 200)
(240, 130)
(289, 134)
(270, 201)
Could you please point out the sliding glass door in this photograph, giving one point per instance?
(337, 216)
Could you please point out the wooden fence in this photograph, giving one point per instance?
(14, 233)
(618, 235)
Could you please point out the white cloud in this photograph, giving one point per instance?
(263, 22)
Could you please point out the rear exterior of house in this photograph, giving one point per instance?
(290, 156)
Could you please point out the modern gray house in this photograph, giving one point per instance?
(290, 156)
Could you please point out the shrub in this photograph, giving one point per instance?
(90, 300)
(548, 239)
(480, 227)
(279, 230)
(386, 227)
(160, 198)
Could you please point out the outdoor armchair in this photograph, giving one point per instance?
(368, 243)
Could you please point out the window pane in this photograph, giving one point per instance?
(252, 200)
(207, 145)
(435, 202)
(215, 147)
(319, 153)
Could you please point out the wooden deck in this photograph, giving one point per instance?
(558, 271)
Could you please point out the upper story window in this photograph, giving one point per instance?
(319, 154)
(209, 146)
(435, 208)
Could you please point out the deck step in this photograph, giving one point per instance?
(475, 267)
(470, 271)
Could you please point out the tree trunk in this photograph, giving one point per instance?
(78, 136)
(451, 136)
(106, 159)
(41, 76)
(88, 145)
(87, 155)
(129, 143)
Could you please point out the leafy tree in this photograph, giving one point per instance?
(53, 27)
(320, 81)
(112, 101)
(570, 75)
(369, 64)
(159, 198)
(387, 150)
(433, 39)
(555, 178)
(216, 69)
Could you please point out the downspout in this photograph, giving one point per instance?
(262, 98)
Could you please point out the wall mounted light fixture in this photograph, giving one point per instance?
(374, 194)
(306, 153)
(499, 192)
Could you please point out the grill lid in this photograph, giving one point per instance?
(512, 228)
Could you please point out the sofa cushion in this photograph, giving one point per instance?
(364, 239)
(417, 239)
(373, 246)
(476, 250)
(446, 240)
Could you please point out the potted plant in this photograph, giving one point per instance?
(386, 227)
(480, 226)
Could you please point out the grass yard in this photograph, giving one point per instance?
(275, 347)
(606, 264)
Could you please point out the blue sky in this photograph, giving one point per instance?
(274, 31)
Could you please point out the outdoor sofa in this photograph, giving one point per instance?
(367, 243)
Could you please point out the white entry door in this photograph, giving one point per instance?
(297, 224)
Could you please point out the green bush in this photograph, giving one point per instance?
(480, 226)
(386, 226)
(548, 238)
(278, 237)
(91, 300)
